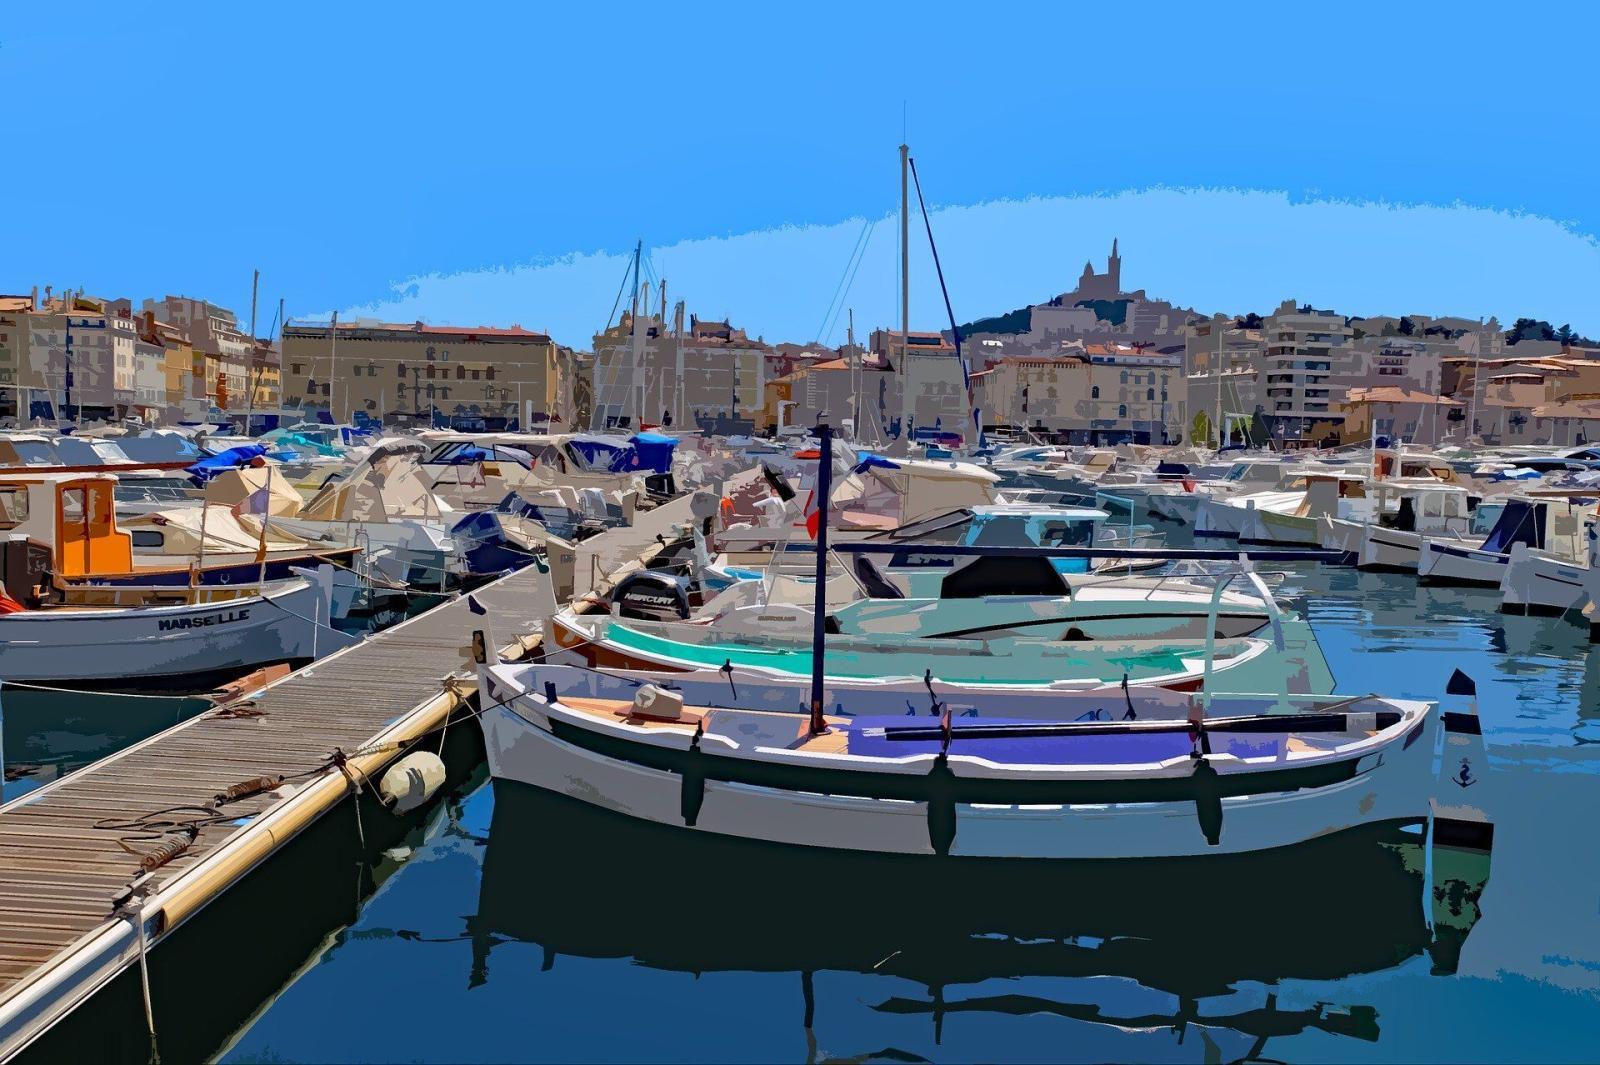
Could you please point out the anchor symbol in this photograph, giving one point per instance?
(1465, 777)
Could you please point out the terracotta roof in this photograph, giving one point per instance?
(16, 303)
(423, 328)
(1589, 408)
(1395, 394)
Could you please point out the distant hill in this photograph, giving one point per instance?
(1017, 321)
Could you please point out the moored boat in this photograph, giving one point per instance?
(990, 789)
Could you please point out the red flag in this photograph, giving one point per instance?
(812, 523)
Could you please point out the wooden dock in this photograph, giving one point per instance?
(73, 896)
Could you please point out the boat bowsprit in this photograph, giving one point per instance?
(991, 788)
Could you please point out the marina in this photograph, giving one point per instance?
(468, 594)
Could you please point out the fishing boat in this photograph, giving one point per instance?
(1549, 524)
(1546, 584)
(198, 637)
(990, 788)
(1403, 511)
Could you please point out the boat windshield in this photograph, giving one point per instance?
(1484, 517)
(1028, 530)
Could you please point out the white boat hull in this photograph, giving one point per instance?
(1394, 786)
(160, 647)
(1451, 561)
(1542, 584)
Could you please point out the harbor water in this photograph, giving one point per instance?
(516, 926)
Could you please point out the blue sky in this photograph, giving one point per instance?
(471, 163)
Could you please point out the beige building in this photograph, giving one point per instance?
(417, 372)
(14, 311)
(1305, 350)
(710, 375)
(1099, 397)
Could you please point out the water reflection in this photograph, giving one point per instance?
(49, 734)
(584, 882)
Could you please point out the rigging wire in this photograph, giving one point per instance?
(621, 288)
(839, 290)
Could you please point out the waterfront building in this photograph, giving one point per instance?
(1107, 394)
(415, 372)
(1305, 347)
(709, 375)
(1397, 412)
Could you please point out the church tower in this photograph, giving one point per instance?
(1114, 268)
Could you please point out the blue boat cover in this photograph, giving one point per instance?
(867, 737)
(222, 461)
(1521, 522)
(867, 460)
(654, 451)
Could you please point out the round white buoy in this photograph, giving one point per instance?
(411, 781)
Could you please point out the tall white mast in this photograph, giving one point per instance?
(905, 294)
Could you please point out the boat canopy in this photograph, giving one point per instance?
(180, 531)
(384, 486)
(887, 493)
(1521, 522)
(616, 454)
(255, 490)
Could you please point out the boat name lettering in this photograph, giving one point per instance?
(227, 617)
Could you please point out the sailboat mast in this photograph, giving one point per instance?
(249, 378)
(630, 389)
(905, 289)
(855, 377)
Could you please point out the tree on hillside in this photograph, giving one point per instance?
(1249, 321)
(1529, 329)
(1407, 327)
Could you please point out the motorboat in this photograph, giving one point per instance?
(1548, 584)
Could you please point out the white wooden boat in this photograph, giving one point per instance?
(1548, 524)
(986, 789)
(213, 634)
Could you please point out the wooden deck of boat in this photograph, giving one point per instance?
(60, 873)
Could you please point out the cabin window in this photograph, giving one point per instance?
(148, 537)
(13, 507)
(72, 505)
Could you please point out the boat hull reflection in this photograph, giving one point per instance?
(557, 873)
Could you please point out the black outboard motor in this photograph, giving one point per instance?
(650, 595)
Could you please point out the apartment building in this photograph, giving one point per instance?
(14, 311)
(1305, 348)
(418, 373)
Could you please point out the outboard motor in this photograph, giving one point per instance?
(650, 595)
